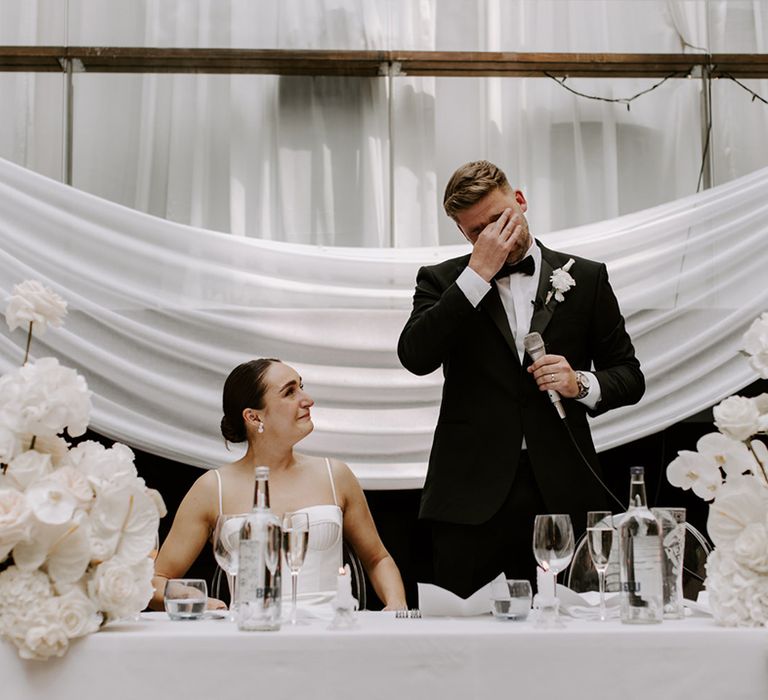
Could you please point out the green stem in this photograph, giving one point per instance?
(760, 464)
(29, 342)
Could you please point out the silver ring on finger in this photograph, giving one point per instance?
(551, 378)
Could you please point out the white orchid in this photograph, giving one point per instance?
(691, 470)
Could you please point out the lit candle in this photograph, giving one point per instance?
(545, 585)
(344, 597)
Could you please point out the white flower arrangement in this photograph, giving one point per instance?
(77, 524)
(561, 282)
(730, 468)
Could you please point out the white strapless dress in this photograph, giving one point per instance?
(318, 576)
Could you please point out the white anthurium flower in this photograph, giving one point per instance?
(43, 398)
(690, 470)
(756, 345)
(124, 523)
(28, 467)
(15, 520)
(743, 502)
(31, 302)
(157, 499)
(104, 467)
(737, 417)
(50, 502)
(64, 550)
(731, 455)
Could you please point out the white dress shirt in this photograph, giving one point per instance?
(518, 294)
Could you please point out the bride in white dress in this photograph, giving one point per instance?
(266, 406)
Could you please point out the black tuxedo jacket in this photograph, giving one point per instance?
(490, 401)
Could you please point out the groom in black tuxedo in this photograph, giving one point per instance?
(501, 454)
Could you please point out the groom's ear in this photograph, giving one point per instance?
(520, 199)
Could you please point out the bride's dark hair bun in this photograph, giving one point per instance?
(244, 388)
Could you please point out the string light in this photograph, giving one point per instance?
(620, 100)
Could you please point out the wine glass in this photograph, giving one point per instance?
(553, 548)
(295, 541)
(226, 547)
(600, 533)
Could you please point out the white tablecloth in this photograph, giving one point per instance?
(398, 658)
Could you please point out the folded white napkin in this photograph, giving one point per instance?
(586, 606)
(437, 602)
(699, 607)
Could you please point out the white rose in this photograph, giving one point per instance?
(756, 345)
(76, 483)
(32, 302)
(43, 398)
(750, 548)
(737, 417)
(15, 520)
(104, 467)
(121, 590)
(78, 613)
(738, 595)
(29, 466)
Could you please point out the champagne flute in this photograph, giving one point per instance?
(295, 541)
(600, 533)
(226, 548)
(553, 546)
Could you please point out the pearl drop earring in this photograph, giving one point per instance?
(260, 429)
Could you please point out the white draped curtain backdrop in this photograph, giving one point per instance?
(287, 216)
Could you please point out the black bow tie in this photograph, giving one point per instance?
(526, 266)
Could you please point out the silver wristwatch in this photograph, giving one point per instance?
(582, 381)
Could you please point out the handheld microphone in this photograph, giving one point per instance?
(534, 346)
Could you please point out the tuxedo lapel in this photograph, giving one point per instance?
(491, 303)
(542, 313)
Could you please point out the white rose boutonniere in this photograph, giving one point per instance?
(561, 281)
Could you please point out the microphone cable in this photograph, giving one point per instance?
(688, 571)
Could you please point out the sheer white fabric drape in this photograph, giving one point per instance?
(361, 162)
(161, 312)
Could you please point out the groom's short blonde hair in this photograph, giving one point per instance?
(470, 183)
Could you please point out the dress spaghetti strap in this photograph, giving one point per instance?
(221, 496)
(330, 476)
